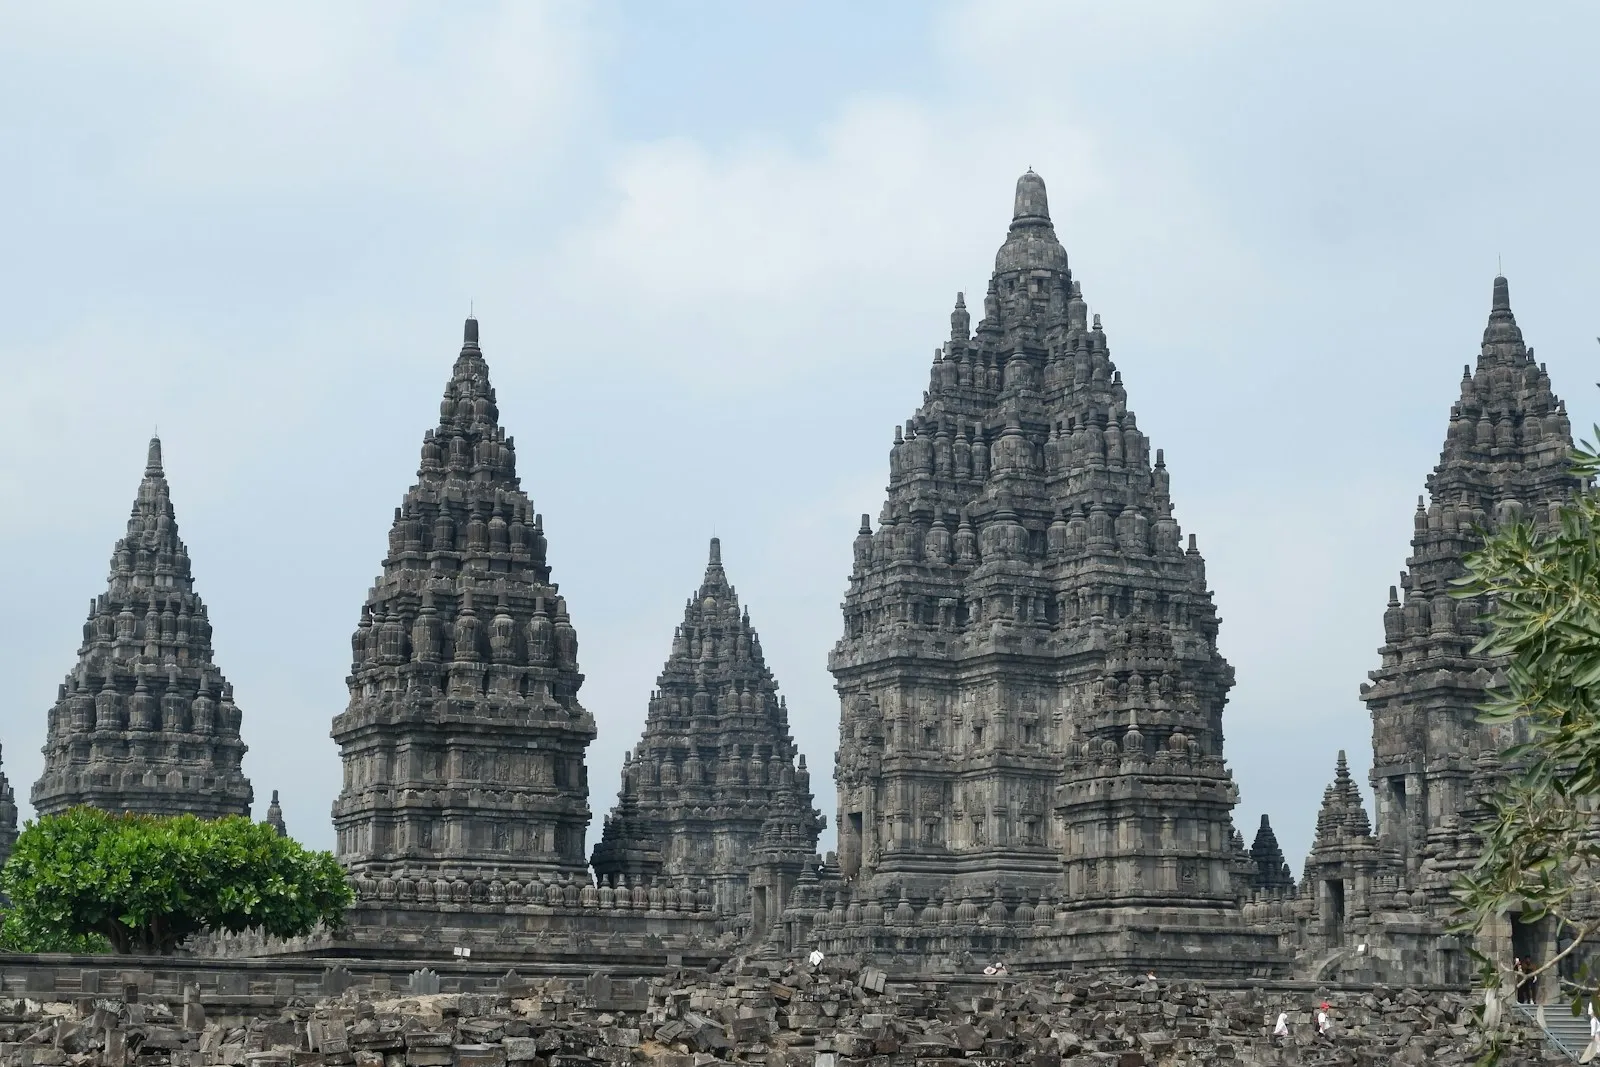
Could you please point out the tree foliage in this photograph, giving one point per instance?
(145, 883)
(1538, 847)
(19, 934)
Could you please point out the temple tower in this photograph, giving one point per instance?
(274, 817)
(1269, 870)
(1505, 455)
(8, 818)
(1032, 694)
(463, 743)
(716, 773)
(146, 722)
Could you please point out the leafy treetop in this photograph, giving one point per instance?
(146, 883)
(1538, 846)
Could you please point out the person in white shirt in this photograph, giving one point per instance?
(1324, 1024)
(1282, 1029)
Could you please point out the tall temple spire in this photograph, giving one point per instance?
(1343, 815)
(465, 659)
(145, 722)
(1029, 652)
(1031, 205)
(1271, 871)
(1501, 328)
(275, 816)
(716, 763)
(1505, 457)
(1031, 243)
(8, 818)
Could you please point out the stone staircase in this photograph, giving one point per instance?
(1565, 1031)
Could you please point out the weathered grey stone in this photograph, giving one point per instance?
(146, 722)
(520, 1049)
(8, 818)
(336, 980)
(465, 659)
(716, 764)
(1030, 684)
(1374, 903)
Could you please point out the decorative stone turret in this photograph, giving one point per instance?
(1342, 870)
(146, 722)
(8, 818)
(463, 743)
(714, 780)
(1271, 871)
(1031, 689)
(1505, 456)
(275, 816)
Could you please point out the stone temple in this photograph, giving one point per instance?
(1505, 458)
(463, 743)
(715, 760)
(1031, 689)
(466, 793)
(1375, 901)
(8, 818)
(146, 722)
(1030, 763)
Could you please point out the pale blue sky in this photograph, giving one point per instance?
(712, 246)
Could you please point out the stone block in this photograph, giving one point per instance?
(480, 1056)
(194, 1016)
(481, 1031)
(520, 1049)
(380, 1040)
(336, 980)
(162, 1037)
(967, 1038)
(328, 1035)
(430, 1056)
(279, 1033)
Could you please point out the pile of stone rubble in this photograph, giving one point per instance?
(784, 1015)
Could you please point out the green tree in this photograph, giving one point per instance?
(145, 883)
(17, 934)
(1539, 845)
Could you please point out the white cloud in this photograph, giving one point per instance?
(262, 99)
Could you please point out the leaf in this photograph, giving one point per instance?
(150, 882)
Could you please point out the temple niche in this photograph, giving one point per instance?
(145, 722)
